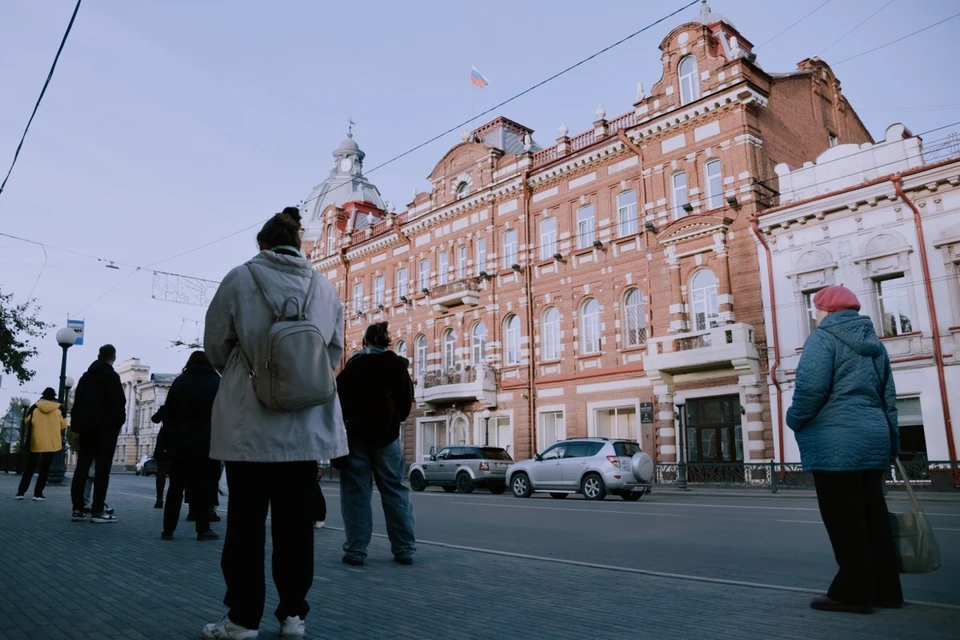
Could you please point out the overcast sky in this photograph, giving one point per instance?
(171, 124)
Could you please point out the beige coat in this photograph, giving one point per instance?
(244, 429)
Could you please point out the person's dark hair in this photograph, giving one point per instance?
(107, 352)
(377, 335)
(197, 358)
(283, 229)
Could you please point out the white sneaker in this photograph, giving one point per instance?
(293, 627)
(319, 524)
(38, 498)
(19, 496)
(227, 630)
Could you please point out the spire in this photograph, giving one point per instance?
(350, 124)
(704, 11)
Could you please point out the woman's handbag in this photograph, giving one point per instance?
(917, 549)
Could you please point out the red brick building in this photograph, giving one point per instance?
(574, 290)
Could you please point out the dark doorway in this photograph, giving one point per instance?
(714, 439)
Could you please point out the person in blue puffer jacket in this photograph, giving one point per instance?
(844, 414)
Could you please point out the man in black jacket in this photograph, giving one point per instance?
(376, 395)
(98, 414)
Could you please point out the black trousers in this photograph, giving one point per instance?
(197, 474)
(855, 513)
(288, 489)
(45, 460)
(163, 470)
(320, 506)
(100, 446)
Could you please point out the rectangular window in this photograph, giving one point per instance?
(433, 437)
(424, 275)
(481, 255)
(378, 291)
(619, 423)
(421, 355)
(627, 213)
(585, 227)
(714, 180)
(402, 282)
(548, 238)
(444, 268)
(358, 297)
(461, 263)
(501, 433)
(894, 306)
(810, 310)
(551, 429)
(913, 441)
(680, 195)
(509, 248)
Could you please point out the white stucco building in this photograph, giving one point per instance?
(842, 219)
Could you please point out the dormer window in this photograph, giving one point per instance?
(689, 80)
(463, 190)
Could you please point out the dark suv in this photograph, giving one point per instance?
(462, 469)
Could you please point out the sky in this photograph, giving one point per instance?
(169, 125)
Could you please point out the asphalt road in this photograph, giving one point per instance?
(775, 541)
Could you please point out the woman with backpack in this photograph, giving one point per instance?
(275, 331)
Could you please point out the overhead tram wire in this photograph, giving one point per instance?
(858, 25)
(43, 91)
(900, 39)
(795, 24)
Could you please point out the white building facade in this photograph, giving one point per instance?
(883, 220)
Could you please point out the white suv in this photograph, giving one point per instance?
(591, 466)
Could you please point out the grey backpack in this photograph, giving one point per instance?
(295, 370)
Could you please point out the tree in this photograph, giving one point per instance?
(18, 323)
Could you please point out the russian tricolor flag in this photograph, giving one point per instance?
(477, 78)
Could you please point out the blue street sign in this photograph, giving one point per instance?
(77, 326)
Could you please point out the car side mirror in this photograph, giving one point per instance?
(537, 457)
(433, 458)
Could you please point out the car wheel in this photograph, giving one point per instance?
(592, 487)
(464, 482)
(631, 497)
(417, 482)
(498, 489)
(449, 489)
(520, 485)
(558, 496)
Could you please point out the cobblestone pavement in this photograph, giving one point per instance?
(77, 580)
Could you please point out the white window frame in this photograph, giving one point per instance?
(512, 336)
(679, 193)
(899, 301)
(358, 297)
(627, 222)
(400, 348)
(510, 240)
(438, 424)
(478, 344)
(481, 255)
(586, 226)
(331, 244)
(421, 353)
(594, 407)
(634, 319)
(463, 190)
(704, 300)
(496, 420)
(551, 335)
(714, 189)
(461, 262)
(403, 282)
(379, 291)
(423, 274)
(810, 310)
(448, 341)
(557, 416)
(590, 328)
(689, 80)
(443, 270)
(548, 238)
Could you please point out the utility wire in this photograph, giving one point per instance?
(892, 42)
(859, 24)
(795, 24)
(16, 154)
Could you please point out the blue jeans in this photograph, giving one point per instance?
(357, 473)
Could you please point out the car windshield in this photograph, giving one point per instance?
(626, 449)
(494, 453)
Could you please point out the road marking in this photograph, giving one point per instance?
(521, 506)
(803, 521)
(945, 529)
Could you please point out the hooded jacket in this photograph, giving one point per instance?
(844, 409)
(243, 428)
(376, 395)
(46, 422)
(100, 403)
(187, 412)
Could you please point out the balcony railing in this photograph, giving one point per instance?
(465, 383)
(699, 349)
(453, 294)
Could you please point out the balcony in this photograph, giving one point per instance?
(719, 347)
(454, 294)
(464, 384)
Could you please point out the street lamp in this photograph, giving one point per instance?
(486, 419)
(66, 338)
(679, 402)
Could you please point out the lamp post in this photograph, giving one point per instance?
(680, 403)
(486, 426)
(66, 338)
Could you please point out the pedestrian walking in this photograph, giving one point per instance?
(187, 415)
(270, 451)
(162, 455)
(376, 395)
(99, 411)
(46, 424)
(844, 413)
(320, 508)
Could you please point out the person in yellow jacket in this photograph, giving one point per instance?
(46, 421)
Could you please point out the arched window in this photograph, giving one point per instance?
(449, 349)
(511, 331)
(590, 326)
(634, 319)
(401, 348)
(689, 80)
(551, 334)
(331, 245)
(478, 349)
(463, 190)
(420, 358)
(706, 310)
(627, 213)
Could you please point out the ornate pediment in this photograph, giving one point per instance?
(691, 227)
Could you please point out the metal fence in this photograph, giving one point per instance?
(774, 476)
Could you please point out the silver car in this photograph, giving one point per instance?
(591, 466)
(462, 469)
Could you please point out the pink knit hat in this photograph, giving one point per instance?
(836, 298)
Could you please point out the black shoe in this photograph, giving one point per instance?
(166, 535)
(827, 604)
(158, 504)
(103, 518)
(214, 516)
(79, 516)
(353, 561)
(404, 560)
(207, 535)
